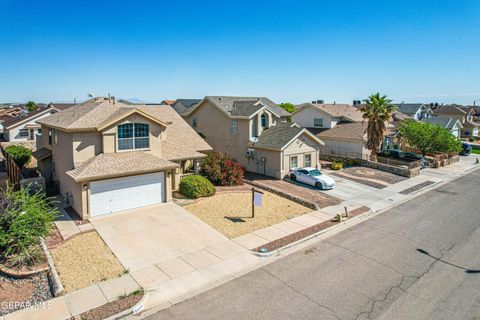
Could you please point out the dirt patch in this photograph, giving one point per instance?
(54, 238)
(16, 294)
(85, 260)
(367, 176)
(230, 212)
(282, 242)
(112, 308)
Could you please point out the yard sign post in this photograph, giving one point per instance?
(257, 198)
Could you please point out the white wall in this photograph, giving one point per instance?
(12, 134)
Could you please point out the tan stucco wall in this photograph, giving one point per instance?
(299, 148)
(304, 118)
(86, 145)
(354, 149)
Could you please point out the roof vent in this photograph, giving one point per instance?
(319, 102)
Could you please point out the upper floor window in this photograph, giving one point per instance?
(23, 133)
(263, 120)
(194, 122)
(318, 122)
(133, 136)
(234, 127)
(50, 136)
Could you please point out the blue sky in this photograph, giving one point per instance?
(295, 51)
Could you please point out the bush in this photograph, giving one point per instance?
(471, 139)
(19, 154)
(24, 219)
(221, 170)
(337, 165)
(195, 186)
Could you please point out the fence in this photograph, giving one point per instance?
(13, 171)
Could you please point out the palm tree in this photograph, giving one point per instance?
(377, 111)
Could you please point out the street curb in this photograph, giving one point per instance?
(136, 309)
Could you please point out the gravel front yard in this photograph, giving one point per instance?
(85, 260)
(217, 209)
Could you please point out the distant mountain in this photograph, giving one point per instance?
(134, 100)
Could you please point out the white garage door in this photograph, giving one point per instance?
(112, 195)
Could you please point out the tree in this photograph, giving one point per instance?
(31, 106)
(289, 107)
(20, 154)
(377, 111)
(221, 170)
(428, 138)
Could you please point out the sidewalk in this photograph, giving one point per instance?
(235, 264)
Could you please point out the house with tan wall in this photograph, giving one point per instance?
(107, 156)
(254, 131)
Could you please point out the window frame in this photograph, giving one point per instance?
(24, 133)
(291, 160)
(194, 123)
(135, 138)
(309, 160)
(263, 118)
(234, 126)
(316, 119)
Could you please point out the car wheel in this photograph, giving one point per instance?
(293, 178)
(318, 185)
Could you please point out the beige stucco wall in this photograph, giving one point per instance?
(299, 148)
(346, 148)
(304, 118)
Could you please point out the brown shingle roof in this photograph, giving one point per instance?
(355, 131)
(110, 165)
(336, 110)
(449, 110)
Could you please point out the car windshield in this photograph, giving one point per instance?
(315, 173)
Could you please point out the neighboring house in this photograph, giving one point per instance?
(452, 124)
(464, 115)
(107, 156)
(23, 127)
(346, 139)
(182, 106)
(168, 102)
(254, 132)
(416, 111)
(319, 117)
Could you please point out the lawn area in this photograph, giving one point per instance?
(217, 209)
(85, 260)
(476, 151)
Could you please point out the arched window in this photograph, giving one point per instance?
(263, 120)
(133, 136)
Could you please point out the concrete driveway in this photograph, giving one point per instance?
(163, 242)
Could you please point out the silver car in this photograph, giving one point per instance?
(313, 177)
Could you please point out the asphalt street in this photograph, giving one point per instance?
(420, 260)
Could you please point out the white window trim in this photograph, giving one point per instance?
(133, 149)
(315, 126)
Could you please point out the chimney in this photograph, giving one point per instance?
(109, 97)
(113, 99)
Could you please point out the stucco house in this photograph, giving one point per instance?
(107, 156)
(416, 111)
(183, 105)
(452, 124)
(319, 117)
(254, 132)
(23, 126)
(464, 115)
(346, 139)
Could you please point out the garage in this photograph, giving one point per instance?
(112, 195)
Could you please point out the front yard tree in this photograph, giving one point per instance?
(377, 111)
(428, 138)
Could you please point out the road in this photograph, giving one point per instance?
(420, 260)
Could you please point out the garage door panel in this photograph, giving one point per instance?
(113, 195)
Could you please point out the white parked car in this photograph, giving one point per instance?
(313, 177)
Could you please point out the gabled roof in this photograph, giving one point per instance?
(242, 107)
(183, 105)
(355, 131)
(450, 110)
(119, 164)
(469, 123)
(29, 115)
(344, 111)
(408, 108)
(447, 123)
(280, 136)
(182, 142)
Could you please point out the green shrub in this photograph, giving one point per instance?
(196, 186)
(19, 154)
(471, 139)
(24, 219)
(221, 170)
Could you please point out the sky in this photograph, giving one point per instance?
(289, 51)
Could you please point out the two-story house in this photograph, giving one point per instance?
(254, 132)
(318, 117)
(107, 156)
(463, 117)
